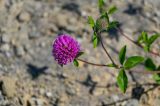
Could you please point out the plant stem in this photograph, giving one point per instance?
(102, 65)
(106, 50)
(136, 43)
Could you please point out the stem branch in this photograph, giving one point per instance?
(136, 43)
(106, 50)
(102, 65)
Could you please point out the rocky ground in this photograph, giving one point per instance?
(29, 76)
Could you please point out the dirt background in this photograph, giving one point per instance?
(29, 76)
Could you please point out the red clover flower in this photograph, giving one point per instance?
(65, 49)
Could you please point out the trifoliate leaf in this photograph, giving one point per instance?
(145, 36)
(122, 80)
(100, 3)
(112, 25)
(122, 54)
(91, 21)
(153, 38)
(95, 40)
(133, 61)
(149, 64)
(112, 10)
(105, 15)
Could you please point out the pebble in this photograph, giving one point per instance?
(41, 91)
(132, 102)
(6, 38)
(5, 47)
(34, 33)
(39, 102)
(19, 50)
(8, 86)
(49, 94)
(24, 25)
(1, 96)
(24, 17)
(157, 102)
(61, 20)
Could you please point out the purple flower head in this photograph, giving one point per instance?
(65, 49)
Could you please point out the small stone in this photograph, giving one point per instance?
(1, 96)
(5, 47)
(34, 33)
(6, 38)
(132, 102)
(72, 20)
(144, 99)
(54, 28)
(49, 94)
(31, 102)
(24, 17)
(70, 90)
(61, 20)
(39, 102)
(99, 91)
(41, 91)
(63, 98)
(8, 86)
(157, 101)
(19, 51)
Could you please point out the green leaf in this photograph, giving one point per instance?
(112, 25)
(122, 80)
(75, 62)
(140, 38)
(156, 77)
(133, 61)
(98, 25)
(146, 48)
(150, 65)
(105, 15)
(112, 10)
(153, 38)
(101, 3)
(95, 40)
(79, 54)
(122, 54)
(91, 21)
(145, 36)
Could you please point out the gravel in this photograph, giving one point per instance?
(29, 76)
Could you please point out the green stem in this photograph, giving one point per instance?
(106, 50)
(95, 64)
(136, 43)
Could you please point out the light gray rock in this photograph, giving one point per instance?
(132, 102)
(24, 16)
(19, 50)
(34, 33)
(49, 94)
(6, 38)
(5, 47)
